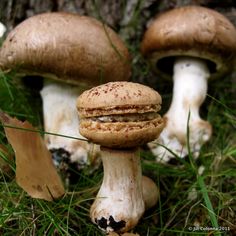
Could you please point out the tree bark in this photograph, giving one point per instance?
(117, 14)
(128, 18)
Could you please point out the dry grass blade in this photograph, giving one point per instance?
(35, 171)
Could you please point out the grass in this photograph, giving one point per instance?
(193, 193)
(196, 197)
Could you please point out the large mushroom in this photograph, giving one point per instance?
(72, 53)
(195, 44)
(120, 116)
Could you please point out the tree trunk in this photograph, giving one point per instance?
(117, 14)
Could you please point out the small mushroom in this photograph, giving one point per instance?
(72, 53)
(119, 116)
(150, 192)
(195, 43)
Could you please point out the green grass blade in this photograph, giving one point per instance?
(207, 201)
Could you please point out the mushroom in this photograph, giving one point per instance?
(2, 29)
(150, 192)
(119, 116)
(72, 53)
(195, 43)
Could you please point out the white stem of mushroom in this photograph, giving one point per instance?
(190, 88)
(2, 29)
(60, 117)
(119, 203)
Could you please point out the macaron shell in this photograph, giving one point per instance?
(120, 93)
(121, 134)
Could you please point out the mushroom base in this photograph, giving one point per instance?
(173, 144)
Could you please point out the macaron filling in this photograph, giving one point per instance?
(122, 124)
(121, 110)
(126, 118)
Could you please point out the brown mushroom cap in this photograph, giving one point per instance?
(67, 47)
(120, 114)
(191, 31)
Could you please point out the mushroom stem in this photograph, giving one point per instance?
(119, 203)
(190, 87)
(60, 117)
(2, 29)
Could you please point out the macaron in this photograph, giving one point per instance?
(120, 114)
